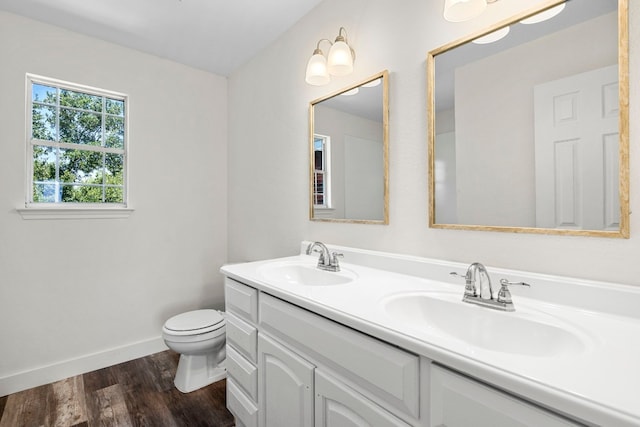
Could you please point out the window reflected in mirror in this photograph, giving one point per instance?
(349, 149)
(321, 197)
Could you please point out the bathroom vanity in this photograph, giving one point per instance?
(395, 345)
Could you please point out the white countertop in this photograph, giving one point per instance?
(600, 384)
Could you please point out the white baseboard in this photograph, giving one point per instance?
(80, 365)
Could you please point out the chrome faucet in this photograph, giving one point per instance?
(327, 261)
(478, 289)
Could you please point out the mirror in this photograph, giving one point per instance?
(349, 145)
(530, 133)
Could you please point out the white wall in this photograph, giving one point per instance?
(268, 148)
(80, 294)
(495, 141)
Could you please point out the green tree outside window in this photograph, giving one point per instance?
(78, 146)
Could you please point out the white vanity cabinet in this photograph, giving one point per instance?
(288, 366)
(388, 341)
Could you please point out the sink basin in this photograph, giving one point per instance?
(526, 332)
(305, 274)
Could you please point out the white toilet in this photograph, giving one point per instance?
(199, 337)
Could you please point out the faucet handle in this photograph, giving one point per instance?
(505, 283)
(334, 259)
(504, 296)
(469, 287)
(464, 276)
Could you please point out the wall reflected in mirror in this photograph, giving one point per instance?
(349, 150)
(529, 133)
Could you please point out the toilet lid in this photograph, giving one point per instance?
(194, 320)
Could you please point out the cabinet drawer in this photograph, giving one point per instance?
(242, 336)
(388, 375)
(241, 300)
(241, 406)
(459, 401)
(243, 372)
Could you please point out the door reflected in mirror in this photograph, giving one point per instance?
(349, 150)
(530, 133)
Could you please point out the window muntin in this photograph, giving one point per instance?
(76, 145)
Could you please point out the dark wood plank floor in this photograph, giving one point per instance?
(135, 393)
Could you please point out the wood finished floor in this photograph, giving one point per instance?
(135, 393)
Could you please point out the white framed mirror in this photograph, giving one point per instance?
(349, 147)
(530, 133)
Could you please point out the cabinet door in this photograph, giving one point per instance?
(458, 401)
(337, 405)
(285, 384)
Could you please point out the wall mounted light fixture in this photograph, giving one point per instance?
(339, 61)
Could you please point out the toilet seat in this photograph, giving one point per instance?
(195, 322)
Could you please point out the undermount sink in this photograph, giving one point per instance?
(525, 332)
(305, 274)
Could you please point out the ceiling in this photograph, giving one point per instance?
(213, 35)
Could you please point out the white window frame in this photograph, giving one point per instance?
(326, 162)
(61, 210)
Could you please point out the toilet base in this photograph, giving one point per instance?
(197, 371)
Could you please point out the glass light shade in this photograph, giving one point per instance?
(317, 74)
(463, 10)
(340, 62)
(544, 15)
(492, 37)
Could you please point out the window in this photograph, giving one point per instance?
(76, 145)
(321, 178)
